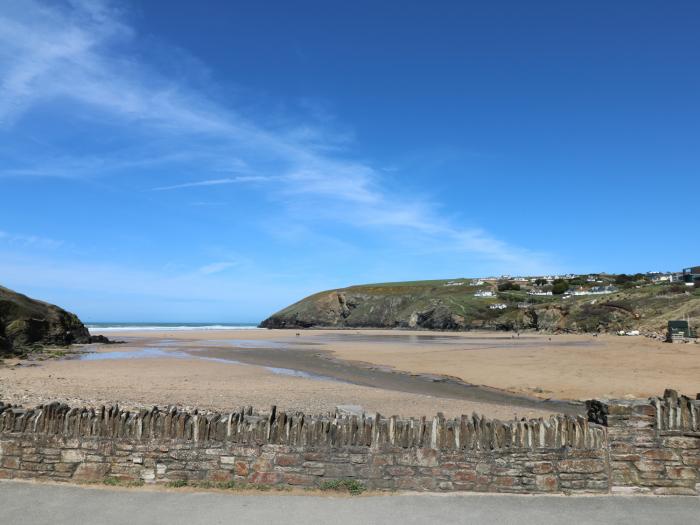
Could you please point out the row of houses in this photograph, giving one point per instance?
(595, 290)
(690, 276)
(520, 279)
(663, 277)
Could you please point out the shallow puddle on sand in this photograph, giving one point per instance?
(242, 343)
(297, 373)
(139, 353)
(157, 353)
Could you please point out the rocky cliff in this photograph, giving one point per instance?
(441, 305)
(26, 323)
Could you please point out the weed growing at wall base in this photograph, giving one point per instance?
(116, 482)
(352, 486)
(223, 485)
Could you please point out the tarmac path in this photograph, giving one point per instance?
(54, 504)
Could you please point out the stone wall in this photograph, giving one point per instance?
(651, 446)
(655, 445)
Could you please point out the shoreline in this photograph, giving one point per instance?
(402, 372)
(211, 385)
(560, 366)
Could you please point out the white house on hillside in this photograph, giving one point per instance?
(596, 290)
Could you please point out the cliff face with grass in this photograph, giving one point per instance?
(26, 324)
(452, 305)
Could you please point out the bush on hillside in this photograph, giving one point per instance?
(503, 287)
(623, 278)
(560, 286)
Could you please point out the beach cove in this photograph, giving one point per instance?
(402, 372)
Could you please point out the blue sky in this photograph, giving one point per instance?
(219, 160)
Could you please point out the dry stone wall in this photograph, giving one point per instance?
(652, 446)
(655, 446)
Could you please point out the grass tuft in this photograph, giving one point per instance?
(351, 486)
(223, 485)
(117, 482)
(176, 484)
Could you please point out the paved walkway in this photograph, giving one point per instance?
(38, 504)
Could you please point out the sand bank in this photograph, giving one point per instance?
(557, 366)
(212, 385)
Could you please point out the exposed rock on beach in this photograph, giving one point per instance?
(27, 323)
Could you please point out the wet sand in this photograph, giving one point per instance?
(565, 367)
(192, 382)
(576, 367)
(407, 373)
(316, 363)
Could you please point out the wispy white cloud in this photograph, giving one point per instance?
(215, 182)
(76, 52)
(207, 204)
(107, 290)
(30, 241)
(217, 267)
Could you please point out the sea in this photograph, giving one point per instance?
(106, 327)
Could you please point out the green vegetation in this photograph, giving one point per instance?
(623, 278)
(508, 285)
(433, 282)
(560, 286)
(351, 486)
(118, 482)
(224, 485)
(176, 484)
(444, 305)
(512, 296)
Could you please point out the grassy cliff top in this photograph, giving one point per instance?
(634, 303)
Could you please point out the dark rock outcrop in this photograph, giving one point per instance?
(26, 323)
(362, 309)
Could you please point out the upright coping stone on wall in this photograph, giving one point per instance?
(654, 445)
(672, 412)
(298, 429)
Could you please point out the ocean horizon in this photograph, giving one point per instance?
(164, 326)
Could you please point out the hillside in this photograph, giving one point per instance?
(452, 305)
(26, 323)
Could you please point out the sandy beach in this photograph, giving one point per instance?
(558, 366)
(319, 369)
